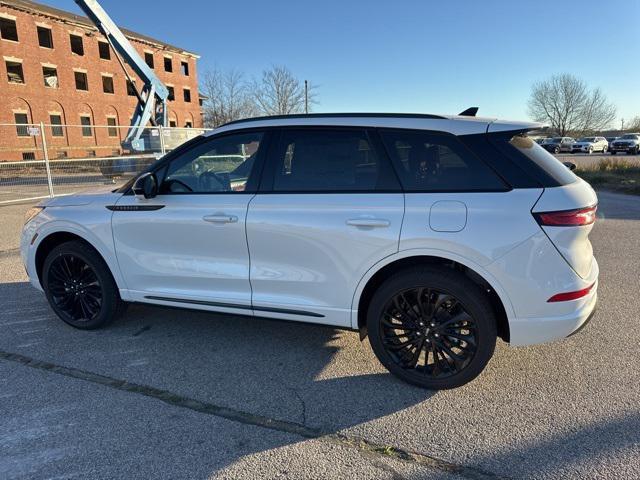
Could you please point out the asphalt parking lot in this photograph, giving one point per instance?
(176, 394)
(584, 160)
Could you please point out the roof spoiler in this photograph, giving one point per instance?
(469, 112)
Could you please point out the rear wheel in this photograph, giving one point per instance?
(80, 287)
(432, 327)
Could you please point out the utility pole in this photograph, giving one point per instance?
(306, 97)
(622, 125)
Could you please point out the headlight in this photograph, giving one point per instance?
(32, 213)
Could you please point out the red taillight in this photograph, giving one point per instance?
(566, 296)
(567, 218)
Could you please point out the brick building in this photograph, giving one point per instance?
(57, 68)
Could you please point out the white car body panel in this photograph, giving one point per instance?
(84, 215)
(475, 241)
(453, 124)
(572, 242)
(174, 253)
(306, 256)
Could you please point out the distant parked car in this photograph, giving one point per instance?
(558, 144)
(629, 142)
(590, 145)
(610, 140)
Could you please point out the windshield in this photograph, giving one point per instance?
(553, 140)
(587, 139)
(630, 136)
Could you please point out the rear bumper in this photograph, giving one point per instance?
(531, 331)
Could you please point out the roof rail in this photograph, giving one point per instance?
(338, 115)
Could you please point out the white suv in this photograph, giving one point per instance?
(590, 145)
(434, 235)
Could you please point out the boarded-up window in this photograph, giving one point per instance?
(85, 121)
(21, 119)
(112, 131)
(56, 130)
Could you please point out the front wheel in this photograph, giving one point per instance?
(80, 287)
(613, 152)
(604, 149)
(432, 327)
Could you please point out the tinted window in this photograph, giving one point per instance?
(535, 160)
(219, 165)
(438, 162)
(317, 160)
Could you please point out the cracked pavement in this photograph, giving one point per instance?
(166, 393)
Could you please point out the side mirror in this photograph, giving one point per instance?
(570, 165)
(146, 186)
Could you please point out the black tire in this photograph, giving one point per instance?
(556, 150)
(79, 286)
(456, 296)
(613, 152)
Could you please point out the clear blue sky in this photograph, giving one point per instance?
(408, 56)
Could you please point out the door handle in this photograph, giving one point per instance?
(220, 218)
(368, 222)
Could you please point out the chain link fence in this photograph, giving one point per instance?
(43, 160)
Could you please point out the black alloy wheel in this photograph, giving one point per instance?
(75, 288)
(432, 326)
(80, 287)
(428, 331)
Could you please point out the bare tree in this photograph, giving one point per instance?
(228, 97)
(280, 93)
(569, 106)
(634, 124)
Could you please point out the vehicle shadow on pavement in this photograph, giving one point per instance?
(283, 371)
(557, 455)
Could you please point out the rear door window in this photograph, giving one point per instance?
(438, 162)
(329, 160)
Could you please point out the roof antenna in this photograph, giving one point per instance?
(469, 112)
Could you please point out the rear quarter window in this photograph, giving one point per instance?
(438, 162)
(541, 165)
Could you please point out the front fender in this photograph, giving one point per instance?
(97, 234)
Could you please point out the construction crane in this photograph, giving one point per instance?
(152, 98)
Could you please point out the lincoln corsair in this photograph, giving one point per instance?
(432, 235)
